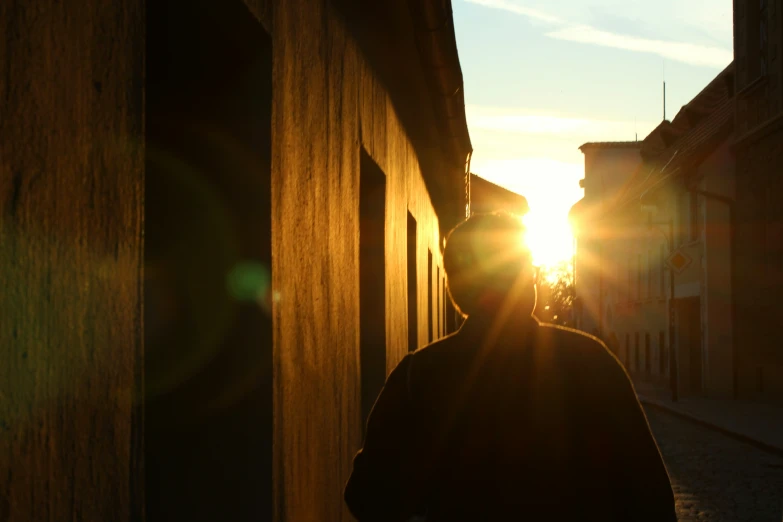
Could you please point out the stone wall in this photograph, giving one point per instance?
(71, 193)
(72, 180)
(327, 106)
(759, 274)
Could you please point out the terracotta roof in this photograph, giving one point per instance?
(611, 145)
(690, 149)
(663, 141)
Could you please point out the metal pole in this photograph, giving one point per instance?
(672, 352)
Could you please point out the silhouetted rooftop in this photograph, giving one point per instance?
(486, 196)
(673, 146)
(699, 127)
(611, 145)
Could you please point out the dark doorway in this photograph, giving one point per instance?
(690, 338)
(647, 354)
(636, 363)
(438, 307)
(430, 322)
(208, 328)
(413, 308)
(662, 353)
(372, 285)
(447, 311)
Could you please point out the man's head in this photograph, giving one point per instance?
(489, 265)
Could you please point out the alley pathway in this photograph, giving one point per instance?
(715, 477)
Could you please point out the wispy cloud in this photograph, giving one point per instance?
(505, 5)
(692, 54)
(561, 29)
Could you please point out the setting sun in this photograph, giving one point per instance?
(549, 236)
(551, 187)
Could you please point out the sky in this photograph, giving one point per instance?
(542, 77)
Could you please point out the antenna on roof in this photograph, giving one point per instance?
(664, 89)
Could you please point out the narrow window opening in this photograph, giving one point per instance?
(438, 307)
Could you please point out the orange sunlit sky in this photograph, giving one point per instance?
(544, 76)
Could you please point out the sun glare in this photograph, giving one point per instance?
(551, 187)
(549, 237)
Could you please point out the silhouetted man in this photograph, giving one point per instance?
(507, 419)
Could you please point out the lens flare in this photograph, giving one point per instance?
(549, 238)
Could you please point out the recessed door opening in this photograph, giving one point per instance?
(372, 281)
(430, 313)
(438, 307)
(208, 328)
(413, 309)
(691, 340)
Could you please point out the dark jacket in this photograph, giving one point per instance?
(541, 424)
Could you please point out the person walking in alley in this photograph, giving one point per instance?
(507, 419)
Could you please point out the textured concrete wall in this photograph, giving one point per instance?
(71, 201)
(327, 105)
(759, 265)
(71, 183)
(759, 248)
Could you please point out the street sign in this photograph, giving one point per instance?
(678, 261)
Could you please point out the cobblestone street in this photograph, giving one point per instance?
(716, 477)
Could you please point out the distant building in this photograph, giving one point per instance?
(685, 171)
(220, 231)
(608, 167)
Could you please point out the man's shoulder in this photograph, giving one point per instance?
(565, 334)
(444, 346)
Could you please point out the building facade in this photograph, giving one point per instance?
(656, 259)
(221, 228)
(608, 166)
(758, 146)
